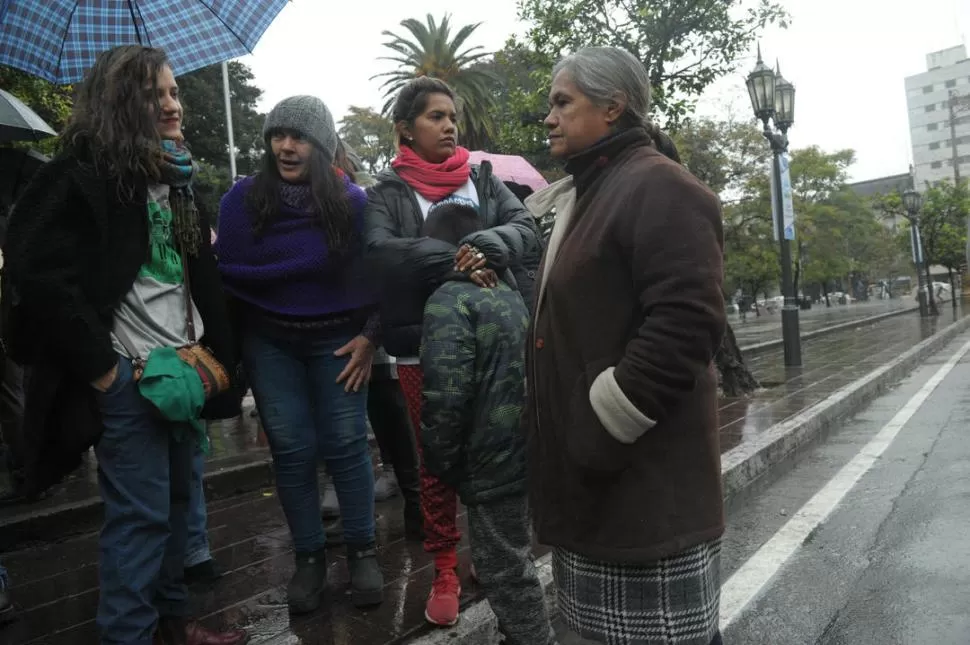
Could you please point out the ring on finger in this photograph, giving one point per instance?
(479, 256)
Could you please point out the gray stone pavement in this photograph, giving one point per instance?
(758, 329)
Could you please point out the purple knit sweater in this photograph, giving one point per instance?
(289, 269)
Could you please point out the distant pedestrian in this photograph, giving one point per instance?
(473, 362)
(624, 460)
(101, 251)
(291, 254)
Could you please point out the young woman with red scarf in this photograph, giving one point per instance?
(429, 170)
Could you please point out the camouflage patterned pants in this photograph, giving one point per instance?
(502, 553)
(439, 502)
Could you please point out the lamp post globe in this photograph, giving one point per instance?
(784, 101)
(912, 201)
(761, 90)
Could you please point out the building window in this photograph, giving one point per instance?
(928, 89)
(936, 165)
(951, 84)
(931, 107)
(932, 127)
(935, 145)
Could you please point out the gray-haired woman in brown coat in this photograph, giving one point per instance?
(622, 418)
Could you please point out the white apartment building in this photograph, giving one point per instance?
(928, 97)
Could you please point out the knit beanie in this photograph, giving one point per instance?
(307, 115)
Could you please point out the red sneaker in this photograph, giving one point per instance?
(442, 607)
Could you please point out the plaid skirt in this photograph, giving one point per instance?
(673, 600)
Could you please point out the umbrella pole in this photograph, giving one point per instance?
(232, 143)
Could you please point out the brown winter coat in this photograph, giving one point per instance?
(624, 461)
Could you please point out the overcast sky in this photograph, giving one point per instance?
(847, 59)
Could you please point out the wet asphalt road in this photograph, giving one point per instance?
(890, 565)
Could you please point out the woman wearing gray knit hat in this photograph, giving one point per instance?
(290, 252)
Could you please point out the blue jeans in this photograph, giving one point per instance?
(144, 475)
(3, 577)
(197, 549)
(307, 416)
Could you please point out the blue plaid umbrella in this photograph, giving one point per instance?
(58, 40)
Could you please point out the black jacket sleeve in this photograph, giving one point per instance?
(412, 260)
(50, 234)
(513, 238)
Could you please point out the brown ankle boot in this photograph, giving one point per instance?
(179, 631)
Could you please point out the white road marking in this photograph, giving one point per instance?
(748, 581)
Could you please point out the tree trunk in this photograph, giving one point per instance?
(825, 294)
(734, 376)
(953, 287)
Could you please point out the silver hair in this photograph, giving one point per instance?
(605, 74)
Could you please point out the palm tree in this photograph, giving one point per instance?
(429, 50)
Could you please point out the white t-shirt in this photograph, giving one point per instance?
(466, 195)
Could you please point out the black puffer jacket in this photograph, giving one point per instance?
(409, 267)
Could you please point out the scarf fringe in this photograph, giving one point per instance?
(178, 170)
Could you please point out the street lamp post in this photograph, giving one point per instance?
(773, 98)
(913, 202)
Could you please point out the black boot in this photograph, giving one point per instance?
(308, 583)
(204, 573)
(413, 519)
(366, 579)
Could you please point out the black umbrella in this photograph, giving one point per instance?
(19, 123)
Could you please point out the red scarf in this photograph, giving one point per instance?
(433, 181)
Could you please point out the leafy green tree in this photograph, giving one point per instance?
(750, 253)
(943, 226)
(51, 102)
(824, 232)
(209, 185)
(822, 254)
(519, 106)
(429, 49)
(685, 45)
(730, 156)
(370, 134)
(205, 117)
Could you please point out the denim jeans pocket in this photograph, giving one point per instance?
(122, 380)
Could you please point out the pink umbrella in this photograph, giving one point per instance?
(511, 168)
